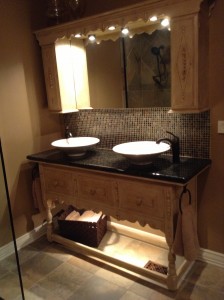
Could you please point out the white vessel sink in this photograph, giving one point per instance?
(75, 146)
(141, 152)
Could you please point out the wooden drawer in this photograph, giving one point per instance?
(142, 199)
(58, 181)
(96, 189)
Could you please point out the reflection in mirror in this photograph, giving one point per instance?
(106, 76)
(130, 72)
(147, 69)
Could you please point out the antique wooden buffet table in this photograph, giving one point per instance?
(104, 181)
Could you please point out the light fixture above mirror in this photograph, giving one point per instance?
(115, 31)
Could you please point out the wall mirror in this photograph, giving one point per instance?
(141, 78)
(130, 72)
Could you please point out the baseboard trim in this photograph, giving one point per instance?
(211, 257)
(205, 255)
(23, 241)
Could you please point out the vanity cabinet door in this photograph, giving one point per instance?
(51, 77)
(189, 63)
(59, 185)
(66, 75)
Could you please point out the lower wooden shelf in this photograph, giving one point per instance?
(129, 250)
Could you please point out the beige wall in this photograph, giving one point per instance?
(98, 6)
(211, 208)
(6, 234)
(26, 126)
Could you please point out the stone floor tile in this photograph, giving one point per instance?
(97, 288)
(85, 263)
(206, 275)
(38, 293)
(113, 276)
(37, 267)
(131, 296)
(9, 286)
(142, 288)
(9, 264)
(193, 291)
(27, 253)
(58, 252)
(41, 243)
(65, 280)
(3, 268)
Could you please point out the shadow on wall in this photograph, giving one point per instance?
(99, 6)
(22, 200)
(202, 208)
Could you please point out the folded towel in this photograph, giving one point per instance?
(87, 216)
(73, 216)
(178, 247)
(189, 232)
(90, 216)
(186, 239)
(37, 194)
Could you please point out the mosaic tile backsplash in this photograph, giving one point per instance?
(115, 126)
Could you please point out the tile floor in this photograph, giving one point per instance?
(50, 271)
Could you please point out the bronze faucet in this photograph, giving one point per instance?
(175, 146)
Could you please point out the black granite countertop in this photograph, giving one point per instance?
(107, 160)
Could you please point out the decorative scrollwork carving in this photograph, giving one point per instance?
(183, 62)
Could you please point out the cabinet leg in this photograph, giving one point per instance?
(172, 275)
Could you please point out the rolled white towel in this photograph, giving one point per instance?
(90, 216)
(73, 216)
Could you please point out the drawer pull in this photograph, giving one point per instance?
(55, 183)
(139, 201)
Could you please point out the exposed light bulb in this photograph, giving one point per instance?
(165, 22)
(153, 18)
(92, 37)
(78, 35)
(125, 31)
(111, 28)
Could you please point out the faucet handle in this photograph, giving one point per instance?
(175, 148)
(175, 137)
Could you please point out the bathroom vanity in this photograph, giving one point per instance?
(105, 181)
